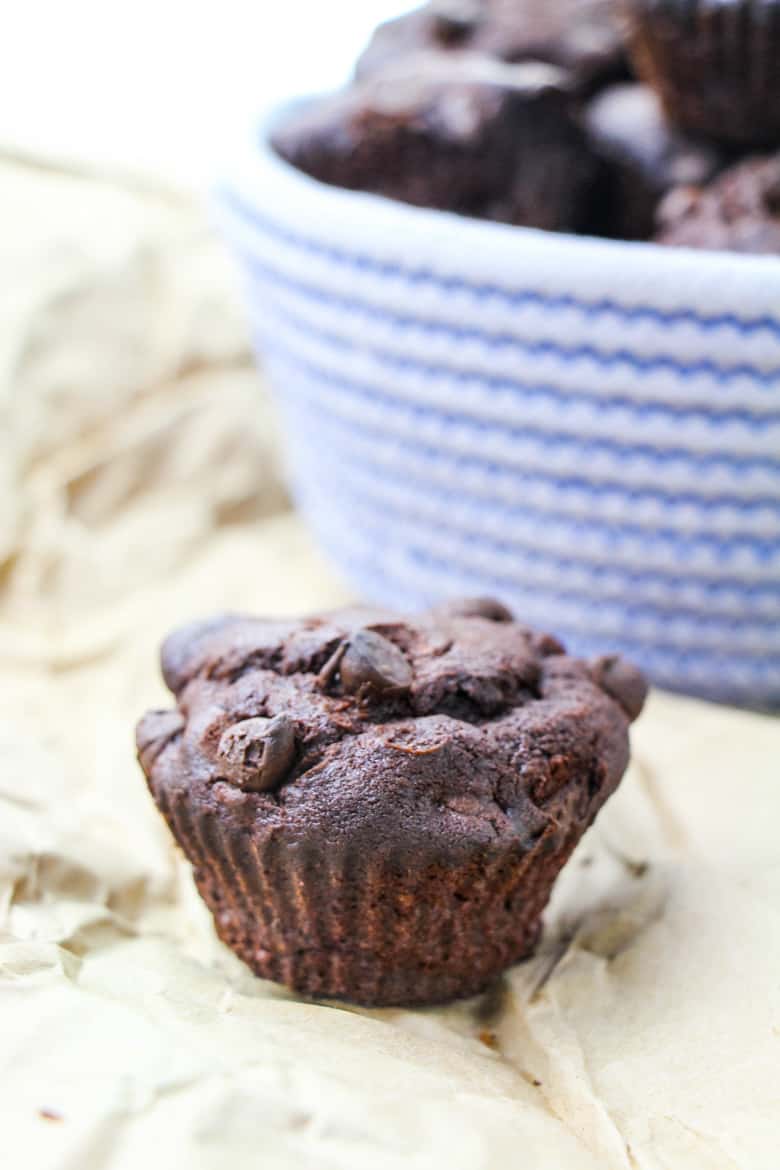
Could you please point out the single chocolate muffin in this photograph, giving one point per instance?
(715, 63)
(738, 212)
(583, 37)
(456, 132)
(376, 807)
(648, 156)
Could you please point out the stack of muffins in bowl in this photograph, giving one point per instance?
(517, 288)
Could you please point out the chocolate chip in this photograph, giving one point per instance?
(484, 607)
(256, 753)
(455, 20)
(374, 663)
(488, 607)
(546, 645)
(154, 733)
(679, 203)
(622, 681)
(330, 669)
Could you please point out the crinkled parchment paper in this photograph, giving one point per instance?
(139, 487)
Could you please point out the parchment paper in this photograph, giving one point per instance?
(140, 487)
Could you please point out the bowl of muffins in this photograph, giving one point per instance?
(517, 289)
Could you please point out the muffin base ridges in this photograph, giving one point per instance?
(297, 921)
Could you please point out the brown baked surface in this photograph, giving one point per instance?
(457, 132)
(739, 211)
(408, 847)
(584, 37)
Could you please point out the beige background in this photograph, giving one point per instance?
(140, 486)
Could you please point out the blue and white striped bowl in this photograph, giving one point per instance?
(586, 429)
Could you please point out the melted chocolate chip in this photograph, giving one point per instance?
(374, 663)
(330, 669)
(484, 607)
(455, 20)
(256, 753)
(622, 681)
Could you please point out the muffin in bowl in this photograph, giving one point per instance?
(588, 428)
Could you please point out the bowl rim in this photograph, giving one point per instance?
(746, 288)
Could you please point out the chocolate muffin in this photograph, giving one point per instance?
(738, 212)
(648, 157)
(583, 37)
(376, 807)
(456, 132)
(715, 64)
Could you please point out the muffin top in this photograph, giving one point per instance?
(738, 211)
(584, 37)
(458, 132)
(432, 736)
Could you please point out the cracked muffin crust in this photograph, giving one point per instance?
(376, 807)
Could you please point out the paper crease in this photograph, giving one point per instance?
(140, 486)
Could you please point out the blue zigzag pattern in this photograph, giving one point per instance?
(585, 447)
(524, 391)
(769, 378)
(513, 297)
